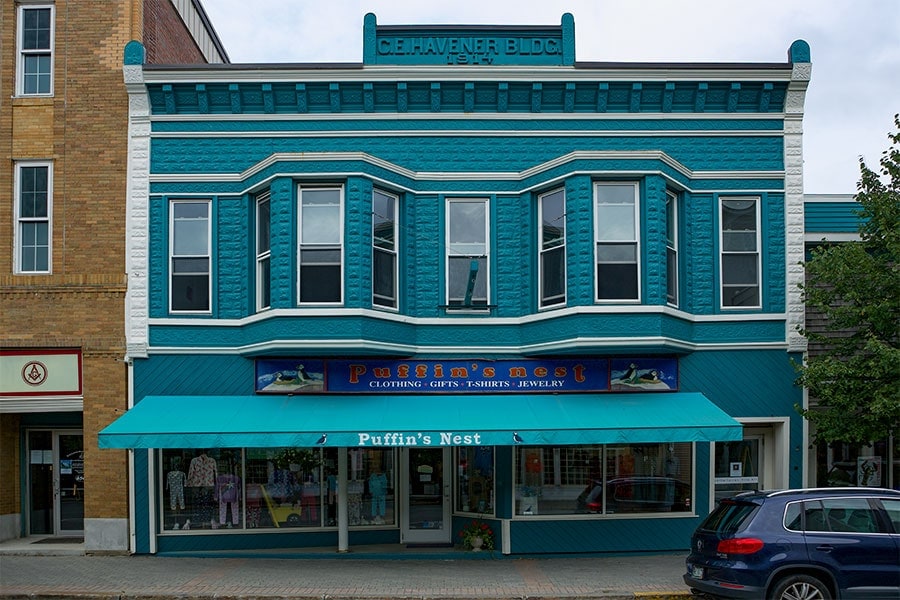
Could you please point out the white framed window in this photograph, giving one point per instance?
(35, 50)
(671, 249)
(33, 213)
(552, 244)
(384, 249)
(617, 248)
(190, 256)
(321, 253)
(263, 253)
(739, 257)
(468, 252)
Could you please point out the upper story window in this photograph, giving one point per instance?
(468, 252)
(671, 249)
(618, 251)
(384, 249)
(189, 241)
(321, 245)
(739, 255)
(34, 200)
(263, 253)
(552, 216)
(35, 50)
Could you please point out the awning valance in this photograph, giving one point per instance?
(427, 420)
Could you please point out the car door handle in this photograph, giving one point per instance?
(825, 548)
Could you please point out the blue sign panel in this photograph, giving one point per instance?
(460, 376)
(643, 374)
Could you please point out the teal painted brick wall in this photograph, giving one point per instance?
(579, 241)
(774, 292)
(282, 236)
(231, 278)
(465, 153)
(357, 242)
(653, 240)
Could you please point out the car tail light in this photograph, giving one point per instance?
(740, 546)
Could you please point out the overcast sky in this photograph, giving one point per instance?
(855, 48)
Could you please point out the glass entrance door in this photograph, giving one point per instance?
(55, 482)
(739, 466)
(426, 514)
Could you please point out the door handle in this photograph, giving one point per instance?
(825, 548)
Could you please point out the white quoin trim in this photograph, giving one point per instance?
(793, 204)
(137, 209)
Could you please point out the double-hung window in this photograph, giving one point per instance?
(671, 249)
(263, 253)
(35, 46)
(552, 216)
(190, 256)
(468, 252)
(34, 203)
(739, 255)
(384, 249)
(618, 252)
(321, 245)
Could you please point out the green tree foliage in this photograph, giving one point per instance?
(856, 287)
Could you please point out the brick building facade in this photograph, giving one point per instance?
(469, 277)
(64, 145)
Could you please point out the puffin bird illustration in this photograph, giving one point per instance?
(631, 374)
(321, 441)
(302, 375)
(517, 438)
(281, 377)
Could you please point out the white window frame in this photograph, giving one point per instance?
(21, 220)
(263, 253)
(331, 245)
(723, 253)
(22, 52)
(391, 251)
(545, 248)
(634, 239)
(672, 248)
(207, 255)
(454, 250)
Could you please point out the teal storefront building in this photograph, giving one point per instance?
(470, 277)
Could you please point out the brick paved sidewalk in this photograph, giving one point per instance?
(163, 578)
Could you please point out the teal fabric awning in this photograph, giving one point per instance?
(423, 420)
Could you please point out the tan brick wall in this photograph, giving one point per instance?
(9, 466)
(83, 129)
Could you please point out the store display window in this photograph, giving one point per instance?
(475, 480)
(641, 478)
(273, 488)
(201, 489)
(371, 487)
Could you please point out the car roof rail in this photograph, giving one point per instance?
(833, 490)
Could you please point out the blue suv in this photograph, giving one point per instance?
(809, 544)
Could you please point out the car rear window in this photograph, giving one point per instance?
(729, 517)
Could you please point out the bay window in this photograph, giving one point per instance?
(552, 216)
(671, 249)
(384, 250)
(263, 253)
(468, 252)
(190, 256)
(617, 248)
(739, 255)
(321, 245)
